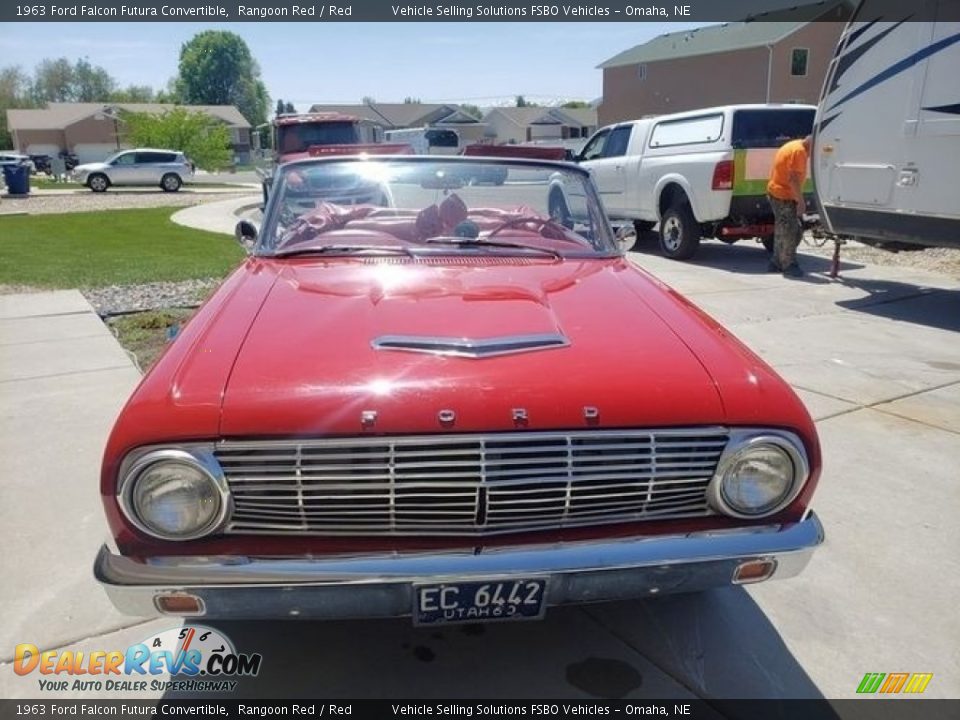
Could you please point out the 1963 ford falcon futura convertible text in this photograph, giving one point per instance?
(424, 395)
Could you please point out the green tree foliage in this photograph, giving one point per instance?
(288, 107)
(411, 100)
(59, 81)
(472, 110)
(14, 93)
(368, 100)
(90, 83)
(575, 104)
(133, 94)
(216, 68)
(521, 101)
(203, 139)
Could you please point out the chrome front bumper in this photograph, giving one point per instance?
(366, 586)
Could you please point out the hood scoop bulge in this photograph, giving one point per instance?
(471, 347)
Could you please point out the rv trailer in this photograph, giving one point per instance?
(886, 149)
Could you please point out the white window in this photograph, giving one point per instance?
(798, 62)
(703, 129)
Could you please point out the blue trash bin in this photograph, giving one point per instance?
(17, 178)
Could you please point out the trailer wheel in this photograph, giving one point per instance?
(679, 232)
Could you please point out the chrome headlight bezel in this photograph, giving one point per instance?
(741, 444)
(200, 458)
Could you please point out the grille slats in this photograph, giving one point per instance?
(468, 484)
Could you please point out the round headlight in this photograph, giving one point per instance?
(171, 495)
(759, 478)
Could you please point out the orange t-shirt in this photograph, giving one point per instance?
(790, 158)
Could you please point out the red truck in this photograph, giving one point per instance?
(299, 136)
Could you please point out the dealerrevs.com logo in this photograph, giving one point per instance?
(197, 659)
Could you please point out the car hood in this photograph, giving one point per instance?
(308, 364)
(90, 167)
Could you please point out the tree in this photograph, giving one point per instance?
(53, 81)
(411, 100)
(288, 107)
(472, 110)
(368, 100)
(133, 94)
(91, 83)
(14, 93)
(523, 102)
(216, 68)
(575, 104)
(200, 137)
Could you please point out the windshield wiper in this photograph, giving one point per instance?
(344, 250)
(471, 242)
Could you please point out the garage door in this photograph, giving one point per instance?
(43, 149)
(94, 152)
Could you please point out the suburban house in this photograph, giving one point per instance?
(779, 57)
(540, 124)
(94, 130)
(397, 116)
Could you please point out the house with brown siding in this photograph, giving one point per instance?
(92, 131)
(775, 58)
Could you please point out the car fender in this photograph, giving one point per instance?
(676, 179)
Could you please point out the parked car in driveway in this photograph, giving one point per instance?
(166, 169)
(435, 401)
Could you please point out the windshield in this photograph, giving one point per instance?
(453, 206)
(298, 137)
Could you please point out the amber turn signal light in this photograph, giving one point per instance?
(753, 571)
(179, 604)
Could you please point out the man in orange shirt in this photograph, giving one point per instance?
(785, 191)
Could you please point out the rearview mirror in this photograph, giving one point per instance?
(246, 234)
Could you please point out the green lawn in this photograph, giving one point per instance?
(115, 247)
(38, 183)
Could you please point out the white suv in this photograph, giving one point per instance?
(144, 166)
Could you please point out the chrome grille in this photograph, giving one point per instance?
(468, 484)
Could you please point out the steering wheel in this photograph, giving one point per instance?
(539, 223)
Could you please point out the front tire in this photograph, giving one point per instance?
(679, 232)
(170, 182)
(98, 182)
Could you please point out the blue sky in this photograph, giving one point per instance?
(309, 63)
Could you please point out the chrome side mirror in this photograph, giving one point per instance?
(626, 238)
(246, 234)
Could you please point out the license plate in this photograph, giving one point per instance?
(482, 601)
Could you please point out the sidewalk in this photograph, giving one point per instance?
(218, 217)
(63, 379)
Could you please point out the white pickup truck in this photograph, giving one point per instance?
(697, 174)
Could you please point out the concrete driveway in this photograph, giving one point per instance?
(876, 357)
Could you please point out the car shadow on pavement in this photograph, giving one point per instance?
(745, 258)
(716, 645)
(933, 307)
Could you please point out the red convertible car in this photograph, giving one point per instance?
(425, 396)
